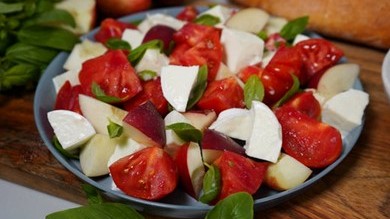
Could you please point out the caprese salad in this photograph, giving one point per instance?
(217, 102)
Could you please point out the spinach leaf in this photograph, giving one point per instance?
(294, 27)
(186, 131)
(253, 90)
(236, 206)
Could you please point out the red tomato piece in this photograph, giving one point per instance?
(113, 73)
(221, 95)
(248, 71)
(239, 174)
(151, 91)
(111, 28)
(305, 102)
(318, 55)
(311, 142)
(68, 98)
(148, 174)
(189, 13)
(198, 45)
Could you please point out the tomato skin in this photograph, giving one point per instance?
(111, 28)
(189, 13)
(151, 91)
(305, 102)
(113, 73)
(318, 55)
(68, 98)
(221, 95)
(198, 45)
(149, 174)
(274, 41)
(311, 142)
(239, 173)
(245, 73)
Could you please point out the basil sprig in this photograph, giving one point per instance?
(115, 43)
(253, 90)
(294, 27)
(236, 206)
(294, 89)
(101, 95)
(207, 19)
(186, 131)
(136, 54)
(114, 130)
(211, 184)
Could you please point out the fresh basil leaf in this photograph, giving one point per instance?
(62, 151)
(207, 19)
(52, 17)
(294, 27)
(114, 130)
(253, 90)
(18, 75)
(93, 194)
(199, 88)
(236, 206)
(186, 131)
(115, 43)
(211, 184)
(45, 5)
(26, 53)
(52, 37)
(263, 35)
(146, 75)
(294, 89)
(100, 95)
(136, 54)
(98, 211)
(6, 8)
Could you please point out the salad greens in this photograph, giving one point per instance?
(186, 131)
(114, 130)
(211, 184)
(253, 90)
(236, 206)
(32, 33)
(294, 27)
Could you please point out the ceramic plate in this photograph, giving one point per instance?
(177, 204)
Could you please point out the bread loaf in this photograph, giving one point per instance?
(363, 21)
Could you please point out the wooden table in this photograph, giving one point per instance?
(358, 188)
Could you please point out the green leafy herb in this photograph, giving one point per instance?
(17, 75)
(137, 53)
(207, 19)
(101, 95)
(211, 184)
(6, 8)
(236, 206)
(294, 27)
(199, 88)
(294, 88)
(262, 34)
(52, 17)
(146, 75)
(115, 43)
(114, 130)
(186, 131)
(253, 90)
(27, 53)
(93, 194)
(59, 147)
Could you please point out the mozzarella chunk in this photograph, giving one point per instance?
(160, 19)
(265, 141)
(83, 51)
(234, 122)
(176, 83)
(219, 11)
(241, 49)
(345, 110)
(152, 60)
(124, 146)
(299, 38)
(71, 129)
(72, 76)
(171, 118)
(274, 25)
(133, 37)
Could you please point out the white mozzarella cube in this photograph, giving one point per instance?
(241, 49)
(265, 141)
(72, 76)
(133, 37)
(153, 60)
(176, 83)
(160, 19)
(274, 25)
(72, 129)
(124, 146)
(345, 110)
(219, 11)
(235, 122)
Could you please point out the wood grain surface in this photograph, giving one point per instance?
(358, 188)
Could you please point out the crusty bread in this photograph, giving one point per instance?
(361, 21)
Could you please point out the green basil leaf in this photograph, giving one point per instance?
(253, 90)
(199, 88)
(100, 95)
(146, 75)
(98, 211)
(45, 5)
(114, 130)
(52, 17)
(136, 54)
(62, 151)
(211, 184)
(115, 43)
(186, 131)
(263, 35)
(26, 53)
(52, 37)
(294, 89)
(207, 19)
(93, 194)
(236, 206)
(18, 75)
(294, 27)
(6, 8)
